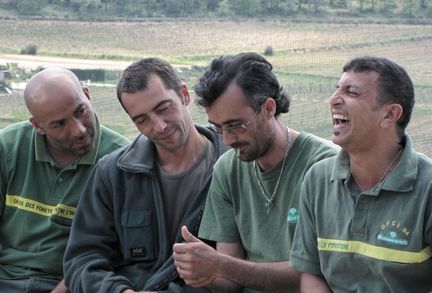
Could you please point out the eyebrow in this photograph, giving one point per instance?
(51, 123)
(353, 86)
(226, 122)
(77, 109)
(134, 118)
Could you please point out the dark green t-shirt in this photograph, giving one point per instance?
(235, 209)
(38, 199)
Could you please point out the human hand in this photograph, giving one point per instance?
(60, 288)
(196, 262)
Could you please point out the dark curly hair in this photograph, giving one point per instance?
(251, 72)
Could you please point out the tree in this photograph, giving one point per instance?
(408, 8)
(29, 7)
(286, 7)
(224, 8)
(247, 7)
(317, 6)
(212, 5)
(172, 8)
(105, 2)
(387, 7)
(300, 4)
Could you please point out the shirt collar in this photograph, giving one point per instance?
(407, 169)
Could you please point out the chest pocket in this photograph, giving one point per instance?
(137, 235)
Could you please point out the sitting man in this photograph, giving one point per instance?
(139, 197)
(44, 165)
(366, 214)
(251, 210)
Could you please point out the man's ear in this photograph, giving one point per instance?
(269, 107)
(392, 113)
(86, 92)
(186, 98)
(36, 125)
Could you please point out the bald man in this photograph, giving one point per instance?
(44, 165)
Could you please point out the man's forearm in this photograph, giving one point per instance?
(268, 277)
(313, 284)
(223, 285)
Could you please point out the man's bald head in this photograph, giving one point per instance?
(62, 113)
(41, 88)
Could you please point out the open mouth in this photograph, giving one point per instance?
(339, 119)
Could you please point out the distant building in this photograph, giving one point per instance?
(4, 74)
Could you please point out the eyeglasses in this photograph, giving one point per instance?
(237, 128)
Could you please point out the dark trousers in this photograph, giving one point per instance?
(30, 285)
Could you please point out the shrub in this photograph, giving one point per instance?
(268, 51)
(30, 49)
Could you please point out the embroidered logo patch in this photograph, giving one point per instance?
(393, 233)
(393, 238)
(292, 216)
(137, 251)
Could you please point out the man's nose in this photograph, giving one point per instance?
(159, 124)
(78, 128)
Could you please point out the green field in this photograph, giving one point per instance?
(307, 58)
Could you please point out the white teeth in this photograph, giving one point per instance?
(340, 119)
(339, 116)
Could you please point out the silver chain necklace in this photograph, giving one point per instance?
(270, 199)
(386, 171)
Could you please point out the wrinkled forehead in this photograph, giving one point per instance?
(359, 78)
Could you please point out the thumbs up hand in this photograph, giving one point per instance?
(188, 236)
(196, 262)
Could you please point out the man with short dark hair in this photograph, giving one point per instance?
(251, 210)
(44, 165)
(366, 214)
(137, 198)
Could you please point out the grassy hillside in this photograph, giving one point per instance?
(307, 57)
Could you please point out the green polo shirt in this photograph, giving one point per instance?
(376, 241)
(38, 199)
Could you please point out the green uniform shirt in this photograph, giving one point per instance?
(38, 200)
(235, 209)
(377, 241)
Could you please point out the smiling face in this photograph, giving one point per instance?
(160, 114)
(355, 112)
(230, 110)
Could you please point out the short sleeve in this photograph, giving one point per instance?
(304, 253)
(218, 222)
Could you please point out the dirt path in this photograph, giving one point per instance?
(32, 62)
